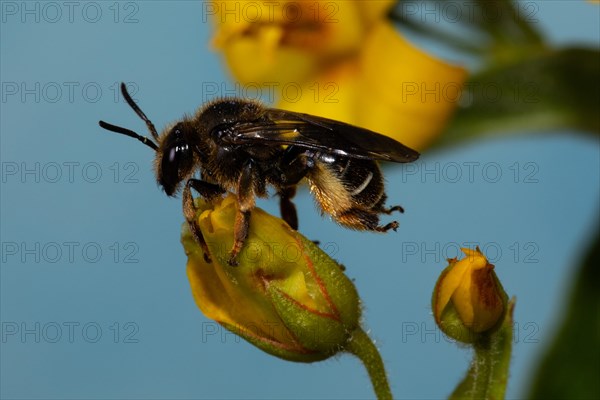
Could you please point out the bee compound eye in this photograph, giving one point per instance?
(172, 154)
(170, 169)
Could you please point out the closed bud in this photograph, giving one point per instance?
(468, 299)
(286, 296)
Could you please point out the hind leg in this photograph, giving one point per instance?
(381, 208)
(389, 210)
(364, 220)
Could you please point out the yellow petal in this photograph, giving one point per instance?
(373, 11)
(475, 258)
(406, 93)
(391, 88)
(289, 41)
(465, 296)
(448, 282)
(260, 61)
(332, 94)
(462, 298)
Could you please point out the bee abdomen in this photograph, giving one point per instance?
(344, 183)
(363, 181)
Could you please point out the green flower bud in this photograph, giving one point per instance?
(286, 296)
(468, 299)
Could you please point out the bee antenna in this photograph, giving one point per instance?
(130, 133)
(138, 111)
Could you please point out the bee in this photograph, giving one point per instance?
(244, 147)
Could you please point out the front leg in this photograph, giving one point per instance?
(206, 190)
(245, 194)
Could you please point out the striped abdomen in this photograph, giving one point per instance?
(350, 189)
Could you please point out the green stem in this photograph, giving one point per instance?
(361, 346)
(488, 374)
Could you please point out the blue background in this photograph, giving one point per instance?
(90, 325)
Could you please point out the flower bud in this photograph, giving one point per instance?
(286, 296)
(468, 298)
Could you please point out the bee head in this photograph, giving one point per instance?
(175, 158)
(174, 155)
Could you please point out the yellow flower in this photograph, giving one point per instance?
(288, 41)
(468, 298)
(350, 65)
(286, 296)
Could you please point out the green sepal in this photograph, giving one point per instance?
(340, 289)
(320, 333)
(297, 355)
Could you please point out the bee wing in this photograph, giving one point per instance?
(290, 128)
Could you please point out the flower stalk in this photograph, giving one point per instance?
(363, 347)
(488, 374)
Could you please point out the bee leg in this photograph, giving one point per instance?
(386, 210)
(392, 225)
(240, 232)
(287, 207)
(245, 195)
(206, 190)
(362, 219)
(389, 210)
(292, 168)
(381, 208)
(189, 211)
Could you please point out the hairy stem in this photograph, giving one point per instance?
(363, 347)
(488, 374)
